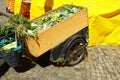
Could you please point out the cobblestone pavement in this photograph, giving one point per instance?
(3, 10)
(101, 63)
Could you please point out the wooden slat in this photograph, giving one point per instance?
(57, 33)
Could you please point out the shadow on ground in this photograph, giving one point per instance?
(27, 63)
(4, 68)
(30, 62)
(43, 60)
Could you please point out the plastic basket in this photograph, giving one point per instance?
(12, 56)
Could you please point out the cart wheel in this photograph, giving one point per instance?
(75, 51)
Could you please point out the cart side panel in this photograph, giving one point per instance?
(57, 33)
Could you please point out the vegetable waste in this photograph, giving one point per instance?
(9, 43)
(18, 25)
(25, 28)
(55, 17)
(9, 46)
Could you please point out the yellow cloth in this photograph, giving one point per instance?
(104, 17)
(17, 6)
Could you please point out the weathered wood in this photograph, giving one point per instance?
(58, 33)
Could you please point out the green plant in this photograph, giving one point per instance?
(60, 60)
(56, 16)
(18, 25)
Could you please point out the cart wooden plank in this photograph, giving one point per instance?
(58, 33)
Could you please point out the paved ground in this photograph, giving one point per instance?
(3, 10)
(101, 63)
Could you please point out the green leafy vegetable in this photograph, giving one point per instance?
(25, 28)
(56, 17)
(18, 25)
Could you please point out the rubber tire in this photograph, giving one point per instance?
(69, 46)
